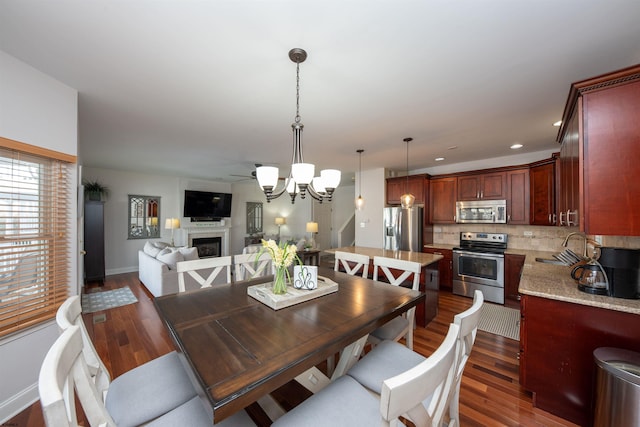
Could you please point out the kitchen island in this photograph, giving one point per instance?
(429, 284)
(559, 330)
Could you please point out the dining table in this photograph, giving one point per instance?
(237, 349)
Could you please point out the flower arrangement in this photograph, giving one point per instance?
(283, 256)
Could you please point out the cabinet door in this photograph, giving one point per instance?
(518, 196)
(442, 202)
(94, 269)
(493, 186)
(469, 187)
(490, 186)
(445, 267)
(512, 271)
(415, 186)
(611, 160)
(542, 184)
(395, 189)
(568, 212)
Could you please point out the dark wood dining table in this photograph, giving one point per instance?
(237, 349)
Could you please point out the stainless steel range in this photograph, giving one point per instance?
(479, 264)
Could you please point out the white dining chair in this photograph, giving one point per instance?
(64, 376)
(352, 263)
(389, 358)
(396, 272)
(210, 267)
(164, 378)
(418, 394)
(250, 266)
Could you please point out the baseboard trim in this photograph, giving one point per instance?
(18, 403)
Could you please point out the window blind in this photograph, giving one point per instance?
(35, 220)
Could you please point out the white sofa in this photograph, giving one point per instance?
(159, 277)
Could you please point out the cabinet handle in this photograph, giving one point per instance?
(561, 220)
(482, 194)
(437, 253)
(554, 218)
(549, 218)
(575, 212)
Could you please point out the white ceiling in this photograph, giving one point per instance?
(205, 89)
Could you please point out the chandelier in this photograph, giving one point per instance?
(301, 176)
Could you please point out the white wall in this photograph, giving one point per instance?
(37, 110)
(369, 220)
(121, 254)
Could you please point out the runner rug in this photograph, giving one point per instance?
(104, 300)
(500, 320)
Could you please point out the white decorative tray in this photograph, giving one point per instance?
(264, 293)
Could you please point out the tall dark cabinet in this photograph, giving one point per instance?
(94, 241)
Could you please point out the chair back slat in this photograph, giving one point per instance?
(391, 266)
(192, 268)
(64, 371)
(249, 266)
(346, 259)
(70, 314)
(432, 379)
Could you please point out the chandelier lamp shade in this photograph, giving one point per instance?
(359, 199)
(301, 177)
(407, 199)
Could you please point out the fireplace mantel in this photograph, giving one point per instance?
(209, 230)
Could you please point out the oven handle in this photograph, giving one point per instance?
(479, 254)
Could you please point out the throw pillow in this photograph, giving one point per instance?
(189, 254)
(161, 245)
(150, 249)
(169, 257)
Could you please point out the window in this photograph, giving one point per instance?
(35, 219)
(144, 217)
(254, 217)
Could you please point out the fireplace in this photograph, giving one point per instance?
(208, 247)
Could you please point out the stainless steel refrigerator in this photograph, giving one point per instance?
(403, 229)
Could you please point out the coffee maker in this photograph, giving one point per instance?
(622, 267)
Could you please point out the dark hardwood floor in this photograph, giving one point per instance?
(490, 394)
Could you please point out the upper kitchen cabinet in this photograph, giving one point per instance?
(542, 184)
(489, 186)
(397, 186)
(442, 200)
(600, 136)
(517, 196)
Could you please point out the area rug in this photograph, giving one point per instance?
(98, 301)
(500, 320)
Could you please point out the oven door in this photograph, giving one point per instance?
(479, 270)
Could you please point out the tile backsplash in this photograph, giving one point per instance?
(537, 238)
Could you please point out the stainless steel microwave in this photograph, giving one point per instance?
(481, 212)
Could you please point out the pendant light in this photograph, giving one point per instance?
(407, 199)
(301, 179)
(359, 199)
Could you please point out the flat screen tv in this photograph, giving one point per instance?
(206, 205)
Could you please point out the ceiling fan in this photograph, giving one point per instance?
(252, 175)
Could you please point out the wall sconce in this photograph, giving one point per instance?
(312, 228)
(172, 224)
(280, 221)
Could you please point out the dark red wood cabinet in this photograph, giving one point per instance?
(445, 267)
(489, 186)
(557, 340)
(397, 186)
(442, 200)
(542, 180)
(517, 196)
(600, 154)
(513, 264)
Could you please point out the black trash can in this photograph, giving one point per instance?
(617, 393)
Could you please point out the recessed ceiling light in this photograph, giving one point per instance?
(558, 123)
(439, 159)
(516, 146)
(453, 147)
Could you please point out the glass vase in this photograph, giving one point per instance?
(280, 281)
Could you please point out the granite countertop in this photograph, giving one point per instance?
(423, 258)
(440, 246)
(554, 282)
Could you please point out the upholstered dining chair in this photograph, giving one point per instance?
(213, 267)
(396, 271)
(345, 402)
(64, 375)
(249, 266)
(352, 263)
(389, 358)
(164, 378)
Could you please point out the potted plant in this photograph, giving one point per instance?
(93, 190)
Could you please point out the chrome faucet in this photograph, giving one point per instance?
(586, 241)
